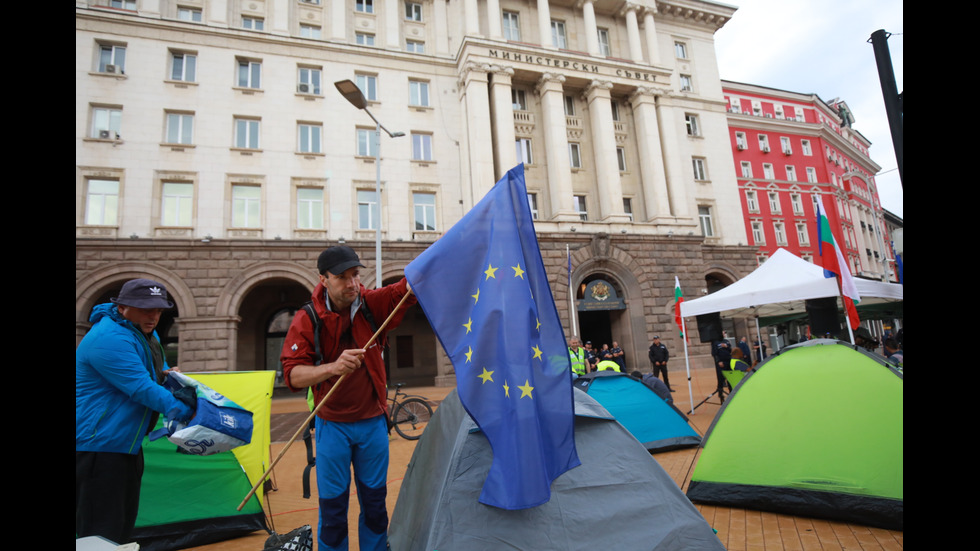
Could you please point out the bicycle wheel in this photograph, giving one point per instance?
(411, 416)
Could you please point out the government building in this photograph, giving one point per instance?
(214, 153)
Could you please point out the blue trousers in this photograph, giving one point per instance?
(363, 444)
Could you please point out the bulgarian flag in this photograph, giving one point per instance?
(678, 299)
(834, 265)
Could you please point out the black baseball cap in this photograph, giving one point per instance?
(338, 260)
(143, 293)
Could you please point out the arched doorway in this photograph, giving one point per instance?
(266, 311)
(413, 350)
(601, 309)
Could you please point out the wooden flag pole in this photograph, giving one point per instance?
(319, 405)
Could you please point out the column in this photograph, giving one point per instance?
(502, 111)
(560, 192)
(471, 15)
(653, 179)
(678, 171)
(633, 33)
(544, 24)
(493, 20)
(591, 30)
(609, 186)
(653, 52)
(473, 82)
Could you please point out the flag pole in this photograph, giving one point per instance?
(571, 294)
(687, 364)
(318, 406)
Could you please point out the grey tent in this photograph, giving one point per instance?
(619, 498)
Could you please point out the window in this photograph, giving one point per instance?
(177, 204)
(368, 214)
(106, 122)
(246, 204)
(532, 202)
(778, 109)
(704, 216)
(364, 6)
(180, 128)
(123, 4)
(758, 234)
(364, 39)
(366, 146)
(763, 143)
(189, 14)
(774, 203)
(421, 147)
(614, 105)
(309, 137)
(249, 74)
(700, 173)
(253, 23)
(787, 148)
(746, 169)
(604, 42)
(369, 86)
(680, 50)
(558, 34)
(811, 175)
(413, 11)
(780, 230)
(621, 158)
(569, 106)
(574, 155)
(740, 143)
(183, 66)
(102, 202)
(308, 81)
(800, 115)
(691, 123)
(628, 207)
(415, 46)
(757, 108)
(309, 31)
(246, 133)
(425, 211)
(512, 26)
(751, 201)
(791, 173)
(797, 200)
(767, 172)
(418, 93)
(583, 212)
(802, 235)
(518, 99)
(807, 150)
(112, 58)
(309, 208)
(524, 150)
(686, 83)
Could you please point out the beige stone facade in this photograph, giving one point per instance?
(214, 154)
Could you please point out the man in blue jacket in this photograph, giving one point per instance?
(119, 366)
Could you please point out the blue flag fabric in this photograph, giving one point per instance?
(484, 289)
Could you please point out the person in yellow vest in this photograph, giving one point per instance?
(608, 365)
(577, 354)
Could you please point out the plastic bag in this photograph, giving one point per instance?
(218, 424)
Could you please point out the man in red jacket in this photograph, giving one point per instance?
(351, 428)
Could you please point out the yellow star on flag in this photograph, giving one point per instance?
(476, 297)
(468, 325)
(469, 354)
(537, 352)
(490, 271)
(538, 326)
(506, 390)
(486, 376)
(526, 389)
(518, 272)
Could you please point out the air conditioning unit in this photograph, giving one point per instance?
(110, 68)
(765, 149)
(303, 88)
(787, 152)
(741, 147)
(104, 134)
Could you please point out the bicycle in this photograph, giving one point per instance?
(410, 415)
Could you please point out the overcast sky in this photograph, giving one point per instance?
(821, 47)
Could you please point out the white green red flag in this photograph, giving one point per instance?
(834, 265)
(678, 299)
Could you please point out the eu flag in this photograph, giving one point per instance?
(484, 289)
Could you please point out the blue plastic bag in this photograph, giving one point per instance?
(218, 424)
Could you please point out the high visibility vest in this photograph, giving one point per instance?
(578, 361)
(734, 365)
(607, 364)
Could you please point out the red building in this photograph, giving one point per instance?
(791, 149)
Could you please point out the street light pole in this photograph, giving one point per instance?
(353, 94)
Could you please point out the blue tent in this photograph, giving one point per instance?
(655, 423)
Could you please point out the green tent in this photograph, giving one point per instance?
(190, 500)
(817, 431)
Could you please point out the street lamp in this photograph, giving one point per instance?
(353, 94)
